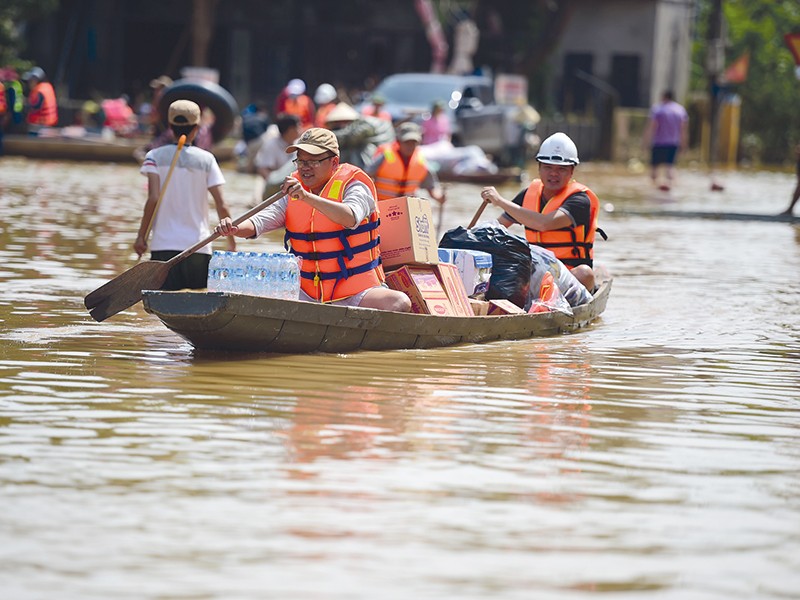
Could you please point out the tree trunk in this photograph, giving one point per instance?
(202, 30)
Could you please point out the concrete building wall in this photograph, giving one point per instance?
(672, 49)
(646, 41)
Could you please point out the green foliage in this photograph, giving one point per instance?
(771, 94)
(13, 13)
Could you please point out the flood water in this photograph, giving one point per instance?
(655, 454)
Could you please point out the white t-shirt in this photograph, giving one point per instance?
(182, 218)
(272, 153)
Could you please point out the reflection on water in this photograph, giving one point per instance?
(654, 454)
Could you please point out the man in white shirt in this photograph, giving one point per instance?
(272, 154)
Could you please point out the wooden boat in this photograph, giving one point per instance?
(72, 148)
(87, 148)
(74, 143)
(227, 321)
(501, 177)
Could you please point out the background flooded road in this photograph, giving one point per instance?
(653, 455)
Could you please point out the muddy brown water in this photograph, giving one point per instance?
(653, 455)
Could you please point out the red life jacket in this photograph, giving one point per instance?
(337, 262)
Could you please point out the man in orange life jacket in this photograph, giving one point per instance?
(557, 212)
(399, 169)
(42, 106)
(331, 219)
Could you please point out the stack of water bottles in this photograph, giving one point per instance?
(271, 275)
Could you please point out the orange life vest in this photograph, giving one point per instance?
(337, 262)
(47, 113)
(394, 177)
(572, 245)
(321, 120)
(302, 107)
(3, 100)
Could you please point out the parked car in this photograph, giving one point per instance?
(469, 101)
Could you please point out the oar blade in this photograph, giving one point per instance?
(125, 290)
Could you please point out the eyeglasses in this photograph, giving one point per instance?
(311, 163)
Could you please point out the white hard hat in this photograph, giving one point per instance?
(558, 149)
(295, 87)
(325, 93)
(36, 72)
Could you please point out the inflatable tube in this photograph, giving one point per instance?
(206, 94)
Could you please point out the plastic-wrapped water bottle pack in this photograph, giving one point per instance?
(271, 275)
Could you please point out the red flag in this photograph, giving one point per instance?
(737, 71)
(793, 41)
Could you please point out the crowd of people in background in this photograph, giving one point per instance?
(29, 105)
(366, 138)
(19, 112)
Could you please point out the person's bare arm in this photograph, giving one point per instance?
(153, 190)
(526, 217)
(222, 211)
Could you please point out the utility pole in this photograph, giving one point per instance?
(715, 62)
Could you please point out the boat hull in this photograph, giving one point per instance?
(120, 150)
(506, 176)
(237, 322)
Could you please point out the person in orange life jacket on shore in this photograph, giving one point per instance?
(375, 109)
(293, 101)
(331, 218)
(558, 213)
(399, 169)
(42, 105)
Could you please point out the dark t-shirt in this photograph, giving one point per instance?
(577, 206)
(253, 125)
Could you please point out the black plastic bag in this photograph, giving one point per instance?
(511, 259)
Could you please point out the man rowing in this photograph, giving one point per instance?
(331, 219)
(557, 212)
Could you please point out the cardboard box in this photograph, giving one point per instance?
(474, 266)
(407, 232)
(454, 288)
(422, 287)
(480, 308)
(503, 307)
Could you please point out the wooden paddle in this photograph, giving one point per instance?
(181, 142)
(125, 290)
(478, 214)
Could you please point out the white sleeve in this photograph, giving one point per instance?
(215, 176)
(360, 200)
(271, 218)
